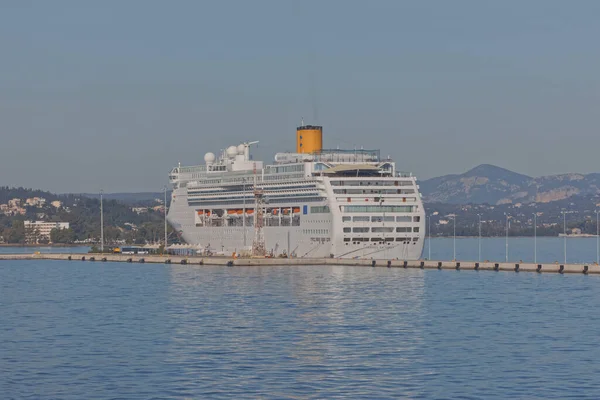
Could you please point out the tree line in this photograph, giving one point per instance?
(121, 223)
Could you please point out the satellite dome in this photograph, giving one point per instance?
(241, 149)
(209, 158)
(231, 151)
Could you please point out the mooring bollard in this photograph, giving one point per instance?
(585, 269)
(405, 265)
(69, 258)
(539, 268)
(516, 267)
(373, 263)
(389, 265)
(561, 269)
(457, 266)
(439, 265)
(477, 266)
(496, 266)
(422, 264)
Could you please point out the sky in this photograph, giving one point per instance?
(110, 95)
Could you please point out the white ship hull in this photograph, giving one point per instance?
(326, 203)
(229, 240)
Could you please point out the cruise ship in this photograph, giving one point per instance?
(312, 203)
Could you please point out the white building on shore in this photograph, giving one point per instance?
(39, 230)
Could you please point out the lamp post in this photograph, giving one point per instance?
(429, 232)
(535, 238)
(479, 240)
(165, 208)
(382, 225)
(101, 223)
(507, 217)
(244, 212)
(564, 213)
(454, 240)
(597, 238)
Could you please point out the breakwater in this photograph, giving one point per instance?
(241, 262)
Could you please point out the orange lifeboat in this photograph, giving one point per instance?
(275, 211)
(200, 212)
(250, 211)
(240, 211)
(296, 210)
(230, 212)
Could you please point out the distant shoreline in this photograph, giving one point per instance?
(45, 245)
(518, 237)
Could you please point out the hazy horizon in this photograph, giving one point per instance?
(111, 95)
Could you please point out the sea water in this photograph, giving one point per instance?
(73, 330)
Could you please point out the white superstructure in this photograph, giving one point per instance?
(322, 203)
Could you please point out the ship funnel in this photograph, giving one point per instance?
(309, 139)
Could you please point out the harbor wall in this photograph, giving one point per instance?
(243, 262)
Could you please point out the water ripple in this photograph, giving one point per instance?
(110, 331)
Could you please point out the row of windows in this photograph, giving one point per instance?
(187, 170)
(362, 229)
(389, 209)
(373, 191)
(249, 179)
(272, 196)
(320, 239)
(315, 231)
(239, 202)
(374, 199)
(378, 239)
(320, 210)
(371, 183)
(387, 218)
(248, 193)
(287, 168)
(283, 177)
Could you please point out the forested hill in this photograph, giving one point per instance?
(121, 221)
(9, 193)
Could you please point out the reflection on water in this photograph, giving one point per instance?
(316, 324)
(171, 331)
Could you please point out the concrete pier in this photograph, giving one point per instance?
(591, 268)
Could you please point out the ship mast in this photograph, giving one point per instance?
(258, 244)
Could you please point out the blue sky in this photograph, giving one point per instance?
(111, 94)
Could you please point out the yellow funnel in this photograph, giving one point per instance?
(309, 139)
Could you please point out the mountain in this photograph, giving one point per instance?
(494, 185)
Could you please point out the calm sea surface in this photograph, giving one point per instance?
(549, 249)
(74, 330)
(42, 249)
